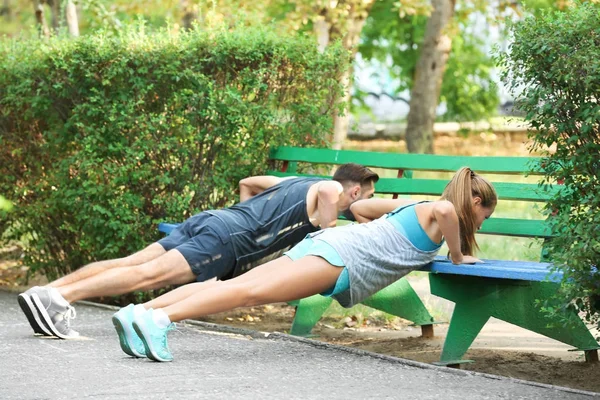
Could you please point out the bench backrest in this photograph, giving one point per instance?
(288, 159)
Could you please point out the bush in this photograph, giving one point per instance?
(102, 137)
(554, 69)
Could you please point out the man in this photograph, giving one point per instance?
(273, 213)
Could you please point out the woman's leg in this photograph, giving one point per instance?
(279, 280)
(191, 289)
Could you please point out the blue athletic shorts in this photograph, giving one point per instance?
(311, 247)
(206, 246)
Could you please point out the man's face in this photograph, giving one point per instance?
(366, 191)
(354, 194)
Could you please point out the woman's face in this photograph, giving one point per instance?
(480, 212)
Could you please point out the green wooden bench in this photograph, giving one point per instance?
(503, 289)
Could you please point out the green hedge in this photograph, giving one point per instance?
(102, 137)
(554, 69)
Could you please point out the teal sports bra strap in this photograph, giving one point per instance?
(397, 210)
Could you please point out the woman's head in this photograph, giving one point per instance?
(474, 199)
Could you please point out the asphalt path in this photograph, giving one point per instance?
(217, 362)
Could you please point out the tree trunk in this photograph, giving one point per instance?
(190, 13)
(38, 8)
(322, 28)
(71, 18)
(358, 13)
(55, 13)
(429, 73)
(6, 10)
(341, 122)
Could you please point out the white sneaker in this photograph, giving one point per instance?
(55, 317)
(26, 304)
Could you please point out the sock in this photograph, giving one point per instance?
(138, 310)
(161, 319)
(57, 298)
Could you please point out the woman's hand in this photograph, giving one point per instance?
(470, 260)
(462, 259)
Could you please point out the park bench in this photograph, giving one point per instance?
(504, 289)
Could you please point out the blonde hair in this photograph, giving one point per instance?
(465, 185)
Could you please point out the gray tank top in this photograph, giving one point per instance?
(269, 221)
(375, 254)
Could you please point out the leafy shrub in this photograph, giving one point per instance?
(102, 137)
(554, 69)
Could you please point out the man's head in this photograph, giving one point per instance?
(358, 183)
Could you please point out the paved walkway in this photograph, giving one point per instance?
(218, 365)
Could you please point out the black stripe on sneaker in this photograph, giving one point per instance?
(46, 317)
(32, 315)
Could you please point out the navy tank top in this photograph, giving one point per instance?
(269, 221)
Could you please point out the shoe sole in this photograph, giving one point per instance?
(32, 315)
(46, 317)
(140, 329)
(124, 338)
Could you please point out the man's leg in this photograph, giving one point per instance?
(169, 269)
(151, 252)
(52, 305)
(59, 310)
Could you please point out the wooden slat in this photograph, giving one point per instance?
(166, 227)
(516, 227)
(498, 269)
(435, 187)
(416, 162)
(505, 190)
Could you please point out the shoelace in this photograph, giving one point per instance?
(69, 315)
(171, 327)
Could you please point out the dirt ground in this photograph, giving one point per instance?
(500, 349)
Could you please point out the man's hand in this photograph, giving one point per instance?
(254, 185)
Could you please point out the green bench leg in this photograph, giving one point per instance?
(466, 323)
(308, 312)
(400, 299)
(397, 299)
(512, 301)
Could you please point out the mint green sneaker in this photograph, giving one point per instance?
(153, 337)
(128, 339)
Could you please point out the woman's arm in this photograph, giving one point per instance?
(445, 215)
(369, 209)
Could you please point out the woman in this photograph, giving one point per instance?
(348, 263)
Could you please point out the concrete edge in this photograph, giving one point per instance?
(315, 343)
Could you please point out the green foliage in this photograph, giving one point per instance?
(5, 205)
(554, 69)
(468, 89)
(104, 136)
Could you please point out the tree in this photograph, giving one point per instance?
(428, 77)
(335, 20)
(6, 10)
(70, 16)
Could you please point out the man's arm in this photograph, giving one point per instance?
(328, 196)
(369, 209)
(254, 185)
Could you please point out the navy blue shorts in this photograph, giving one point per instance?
(206, 246)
